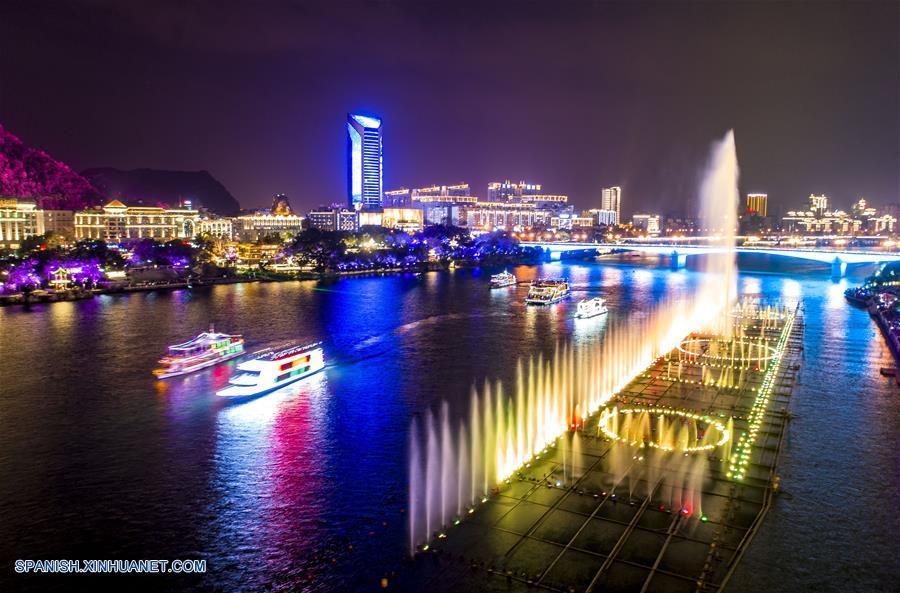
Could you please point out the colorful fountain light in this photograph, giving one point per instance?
(740, 458)
(456, 465)
(666, 429)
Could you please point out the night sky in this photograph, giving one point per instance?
(573, 95)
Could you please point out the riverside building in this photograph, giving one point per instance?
(117, 222)
(364, 161)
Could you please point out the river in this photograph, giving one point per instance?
(305, 489)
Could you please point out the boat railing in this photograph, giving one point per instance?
(277, 352)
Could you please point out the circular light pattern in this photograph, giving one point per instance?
(608, 417)
(686, 347)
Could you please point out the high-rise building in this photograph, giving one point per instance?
(364, 161)
(611, 199)
(758, 204)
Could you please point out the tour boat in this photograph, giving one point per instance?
(591, 308)
(205, 350)
(502, 279)
(273, 369)
(547, 292)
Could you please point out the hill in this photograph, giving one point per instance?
(32, 173)
(161, 187)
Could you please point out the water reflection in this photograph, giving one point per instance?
(273, 490)
(267, 475)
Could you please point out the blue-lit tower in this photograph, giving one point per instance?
(364, 161)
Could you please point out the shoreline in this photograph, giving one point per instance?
(69, 295)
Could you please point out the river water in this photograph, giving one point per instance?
(305, 489)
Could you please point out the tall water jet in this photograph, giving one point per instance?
(719, 201)
(415, 485)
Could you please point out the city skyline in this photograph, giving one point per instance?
(449, 121)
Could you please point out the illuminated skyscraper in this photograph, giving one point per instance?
(757, 203)
(364, 161)
(611, 199)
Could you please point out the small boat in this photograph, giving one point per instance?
(503, 279)
(206, 350)
(591, 308)
(547, 292)
(273, 369)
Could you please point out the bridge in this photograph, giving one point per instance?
(678, 253)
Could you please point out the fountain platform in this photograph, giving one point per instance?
(592, 514)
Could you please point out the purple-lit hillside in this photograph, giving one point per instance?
(32, 173)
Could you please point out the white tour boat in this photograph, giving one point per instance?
(205, 350)
(547, 292)
(273, 369)
(591, 308)
(502, 279)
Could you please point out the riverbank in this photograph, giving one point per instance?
(74, 294)
(881, 303)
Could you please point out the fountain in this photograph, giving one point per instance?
(454, 468)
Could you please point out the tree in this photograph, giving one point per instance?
(320, 249)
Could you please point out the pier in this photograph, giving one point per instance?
(656, 504)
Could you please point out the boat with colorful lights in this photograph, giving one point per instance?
(503, 279)
(207, 349)
(591, 308)
(547, 292)
(273, 369)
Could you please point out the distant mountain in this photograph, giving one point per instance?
(159, 187)
(27, 172)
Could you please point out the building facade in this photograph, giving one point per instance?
(817, 219)
(333, 219)
(646, 222)
(506, 191)
(611, 200)
(604, 217)
(398, 198)
(569, 220)
(252, 227)
(218, 228)
(758, 204)
(364, 161)
(491, 216)
(116, 222)
(59, 222)
(409, 220)
(18, 221)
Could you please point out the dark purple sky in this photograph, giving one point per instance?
(574, 95)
